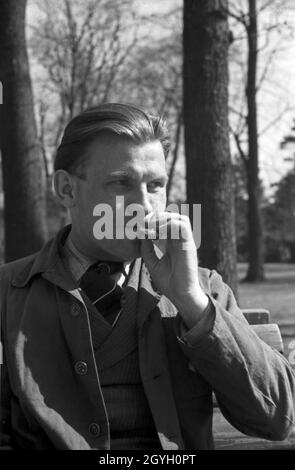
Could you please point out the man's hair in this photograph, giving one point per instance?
(117, 118)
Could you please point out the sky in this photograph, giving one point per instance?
(276, 95)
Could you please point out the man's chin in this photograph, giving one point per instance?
(131, 250)
(125, 250)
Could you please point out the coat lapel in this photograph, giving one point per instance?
(154, 367)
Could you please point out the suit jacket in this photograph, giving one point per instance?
(51, 396)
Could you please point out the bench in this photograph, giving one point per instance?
(226, 437)
(268, 332)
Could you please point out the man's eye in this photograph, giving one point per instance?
(121, 182)
(156, 184)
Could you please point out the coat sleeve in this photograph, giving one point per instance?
(254, 384)
(5, 395)
(5, 391)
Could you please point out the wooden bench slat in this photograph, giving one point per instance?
(256, 316)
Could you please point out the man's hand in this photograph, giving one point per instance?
(175, 274)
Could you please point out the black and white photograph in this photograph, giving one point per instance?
(147, 228)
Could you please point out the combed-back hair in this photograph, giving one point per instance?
(117, 118)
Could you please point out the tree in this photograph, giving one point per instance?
(256, 255)
(23, 173)
(254, 213)
(280, 221)
(289, 140)
(241, 211)
(155, 83)
(81, 49)
(99, 53)
(209, 170)
(258, 27)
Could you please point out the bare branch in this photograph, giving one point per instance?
(238, 14)
(239, 147)
(276, 119)
(266, 68)
(265, 6)
(238, 113)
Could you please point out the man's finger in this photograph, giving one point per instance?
(148, 254)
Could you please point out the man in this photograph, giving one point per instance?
(112, 344)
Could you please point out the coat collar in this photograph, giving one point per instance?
(45, 260)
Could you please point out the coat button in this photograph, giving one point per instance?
(94, 429)
(75, 310)
(81, 368)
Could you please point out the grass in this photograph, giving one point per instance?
(276, 294)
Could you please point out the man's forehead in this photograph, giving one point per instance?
(123, 155)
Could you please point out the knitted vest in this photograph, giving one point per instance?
(131, 423)
(116, 350)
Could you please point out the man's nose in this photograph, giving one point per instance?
(144, 199)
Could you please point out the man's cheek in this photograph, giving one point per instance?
(159, 202)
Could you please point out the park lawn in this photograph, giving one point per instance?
(276, 294)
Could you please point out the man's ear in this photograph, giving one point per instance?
(65, 188)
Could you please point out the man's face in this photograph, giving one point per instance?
(118, 167)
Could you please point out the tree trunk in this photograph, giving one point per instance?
(256, 251)
(175, 153)
(209, 168)
(23, 172)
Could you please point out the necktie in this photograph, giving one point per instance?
(103, 291)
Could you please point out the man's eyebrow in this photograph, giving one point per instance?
(127, 174)
(121, 173)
